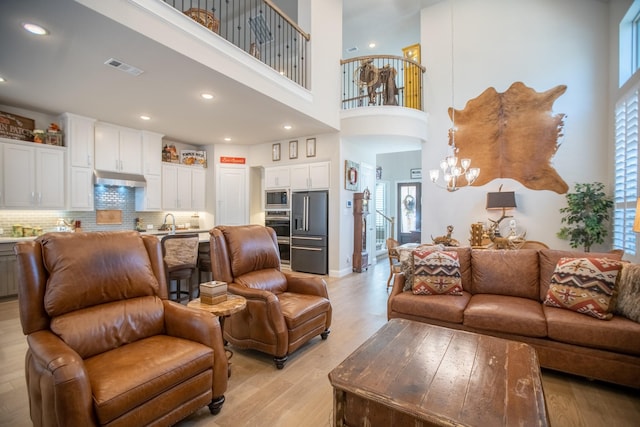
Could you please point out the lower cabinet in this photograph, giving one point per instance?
(8, 273)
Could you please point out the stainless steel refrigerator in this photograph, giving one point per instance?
(309, 232)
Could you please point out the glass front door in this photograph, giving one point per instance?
(409, 212)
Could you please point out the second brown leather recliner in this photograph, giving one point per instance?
(284, 310)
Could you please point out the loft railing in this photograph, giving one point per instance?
(259, 28)
(381, 80)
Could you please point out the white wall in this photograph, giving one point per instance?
(542, 43)
(356, 151)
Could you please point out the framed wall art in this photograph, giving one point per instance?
(351, 175)
(275, 152)
(293, 149)
(311, 147)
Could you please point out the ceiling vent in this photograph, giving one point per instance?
(260, 29)
(352, 49)
(124, 67)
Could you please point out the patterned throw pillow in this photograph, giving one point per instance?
(406, 262)
(436, 273)
(584, 285)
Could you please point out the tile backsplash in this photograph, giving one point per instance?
(106, 197)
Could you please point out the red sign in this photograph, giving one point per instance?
(234, 160)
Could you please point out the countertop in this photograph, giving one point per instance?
(203, 234)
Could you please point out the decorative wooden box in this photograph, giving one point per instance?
(213, 292)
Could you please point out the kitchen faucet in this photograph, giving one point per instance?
(173, 223)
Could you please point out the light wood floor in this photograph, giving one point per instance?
(300, 394)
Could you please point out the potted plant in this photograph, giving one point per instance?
(586, 215)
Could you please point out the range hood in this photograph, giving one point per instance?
(119, 179)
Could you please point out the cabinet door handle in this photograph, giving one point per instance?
(39, 198)
(88, 159)
(33, 197)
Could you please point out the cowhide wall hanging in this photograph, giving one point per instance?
(512, 135)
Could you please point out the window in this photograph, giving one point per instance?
(626, 172)
(626, 132)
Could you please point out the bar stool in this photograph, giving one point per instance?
(204, 262)
(180, 256)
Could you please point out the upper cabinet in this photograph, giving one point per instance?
(79, 138)
(277, 177)
(310, 176)
(151, 153)
(79, 134)
(149, 198)
(183, 187)
(33, 176)
(118, 149)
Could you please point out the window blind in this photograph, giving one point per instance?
(626, 172)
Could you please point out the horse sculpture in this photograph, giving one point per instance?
(372, 77)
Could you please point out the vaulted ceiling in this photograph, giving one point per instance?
(65, 71)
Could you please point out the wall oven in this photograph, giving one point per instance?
(280, 221)
(276, 199)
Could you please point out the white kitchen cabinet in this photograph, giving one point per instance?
(277, 177)
(151, 153)
(149, 198)
(183, 187)
(310, 176)
(198, 179)
(80, 140)
(79, 135)
(80, 189)
(169, 187)
(118, 149)
(49, 178)
(33, 177)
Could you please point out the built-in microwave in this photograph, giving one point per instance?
(276, 199)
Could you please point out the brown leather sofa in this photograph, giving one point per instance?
(503, 295)
(105, 346)
(284, 310)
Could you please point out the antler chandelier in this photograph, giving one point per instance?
(455, 176)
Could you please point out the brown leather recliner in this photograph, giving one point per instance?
(106, 347)
(284, 310)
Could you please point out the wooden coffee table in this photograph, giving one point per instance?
(411, 373)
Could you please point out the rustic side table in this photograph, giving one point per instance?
(233, 304)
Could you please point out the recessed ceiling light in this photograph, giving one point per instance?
(2, 79)
(145, 117)
(372, 45)
(227, 139)
(287, 127)
(35, 29)
(206, 96)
